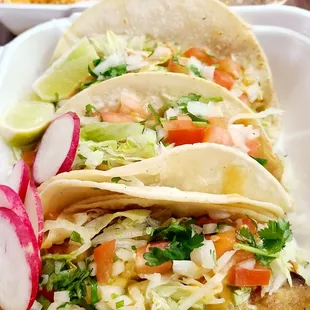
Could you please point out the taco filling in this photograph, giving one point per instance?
(137, 128)
(120, 54)
(147, 259)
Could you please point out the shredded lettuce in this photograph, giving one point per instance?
(115, 145)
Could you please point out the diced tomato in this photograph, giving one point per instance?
(230, 66)
(223, 78)
(225, 242)
(186, 136)
(29, 157)
(242, 255)
(104, 259)
(218, 121)
(113, 117)
(141, 267)
(178, 124)
(254, 147)
(177, 68)
(218, 134)
(238, 276)
(247, 222)
(201, 55)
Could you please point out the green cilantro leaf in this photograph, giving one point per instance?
(183, 240)
(43, 301)
(175, 59)
(90, 110)
(195, 70)
(115, 71)
(276, 235)
(94, 292)
(92, 73)
(96, 62)
(269, 242)
(119, 304)
(262, 161)
(76, 237)
(156, 115)
(117, 179)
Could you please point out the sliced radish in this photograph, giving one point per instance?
(19, 261)
(19, 178)
(58, 147)
(9, 199)
(34, 209)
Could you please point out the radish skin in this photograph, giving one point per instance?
(34, 209)
(19, 179)
(19, 263)
(58, 147)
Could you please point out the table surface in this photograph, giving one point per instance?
(6, 36)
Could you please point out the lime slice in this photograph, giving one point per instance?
(26, 121)
(62, 79)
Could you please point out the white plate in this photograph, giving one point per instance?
(19, 17)
(26, 57)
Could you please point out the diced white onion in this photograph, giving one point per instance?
(36, 306)
(205, 255)
(107, 291)
(224, 228)
(223, 260)
(124, 254)
(81, 265)
(161, 133)
(207, 72)
(113, 60)
(93, 267)
(219, 215)
(197, 229)
(62, 296)
(248, 264)
(135, 62)
(241, 134)
(192, 61)
(161, 53)
(171, 112)
(117, 268)
(204, 110)
(209, 228)
(187, 268)
(254, 92)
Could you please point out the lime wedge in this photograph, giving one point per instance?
(62, 79)
(26, 121)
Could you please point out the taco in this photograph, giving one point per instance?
(223, 175)
(154, 254)
(139, 116)
(127, 36)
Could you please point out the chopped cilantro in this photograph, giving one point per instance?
(183, 240)
(92, 73)
(134, 248)
(114, 295)
(262, 161)
(76, 237)
(175, 59)
(195, 70)
(96, 62)
(115, 71)
(119, 304)
(173, 118)
(43, 301)
(94, 292)
(86, 85)
(157, 117)
(90, 110)
(117, 179)
(271, 241)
